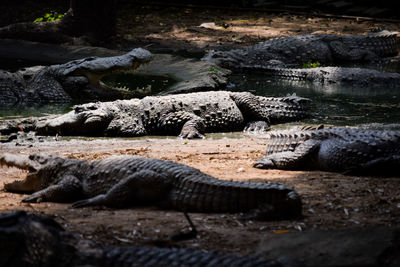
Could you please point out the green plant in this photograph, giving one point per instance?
(51, 16)
(213, 70)
(310, 64)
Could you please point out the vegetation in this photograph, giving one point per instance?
(51, 16)
(310, 64)
(213, 70)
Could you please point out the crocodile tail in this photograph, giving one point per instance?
(213, 195)
(151, 256)
(383, 43)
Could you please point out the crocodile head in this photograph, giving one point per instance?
(95, 119)
(85, 119)
(41, 171)
(30, 240)
(226, 59)
(87, 73)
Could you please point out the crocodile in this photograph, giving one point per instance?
(347, 150)
(294, 51)
(123, 181)
(333, 75)
(74, 80)
(27, 239)
(188, 114)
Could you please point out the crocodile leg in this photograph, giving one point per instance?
(289, 159)
(270, 109)
(67, 190)
(251, 106)
(134, 189)
(125, 126)
(192, 129)
(192, 125)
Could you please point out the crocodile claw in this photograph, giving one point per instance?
(94, 201)
(81, 203)
(264, 163)
(192, 134)
(34, 198)
(257, 126)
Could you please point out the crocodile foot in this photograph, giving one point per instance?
(34, 198)
(264, 163)
(257, 126)
(191, 133)
(94, 201)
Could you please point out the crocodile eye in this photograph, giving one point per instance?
(92, 107)
(79, 109)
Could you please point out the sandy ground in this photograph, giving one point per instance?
(330, 200)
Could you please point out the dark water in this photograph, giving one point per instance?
(333, 105)
(130, 81)
(34, 111)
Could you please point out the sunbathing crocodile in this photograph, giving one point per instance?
(32, 240)
(78, 79)
(123, 181)
(334, 75)
(187, 114)
(297, 50)
(348, 150)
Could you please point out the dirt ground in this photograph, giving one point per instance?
(330, 200)
(197, 29)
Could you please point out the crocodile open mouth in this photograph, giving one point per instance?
(23, 163)
(20, 162)
(139, 84)
(94, 69)
(29, 169)
(96, 79)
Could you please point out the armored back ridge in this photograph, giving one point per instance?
(129, 180)
(358, 151)
(334, 76)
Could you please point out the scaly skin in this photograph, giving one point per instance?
(78, 79)
(189, 115)
(352, 151)
(322, 48)
(128, 180)
(32, 240)
(335, 75)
